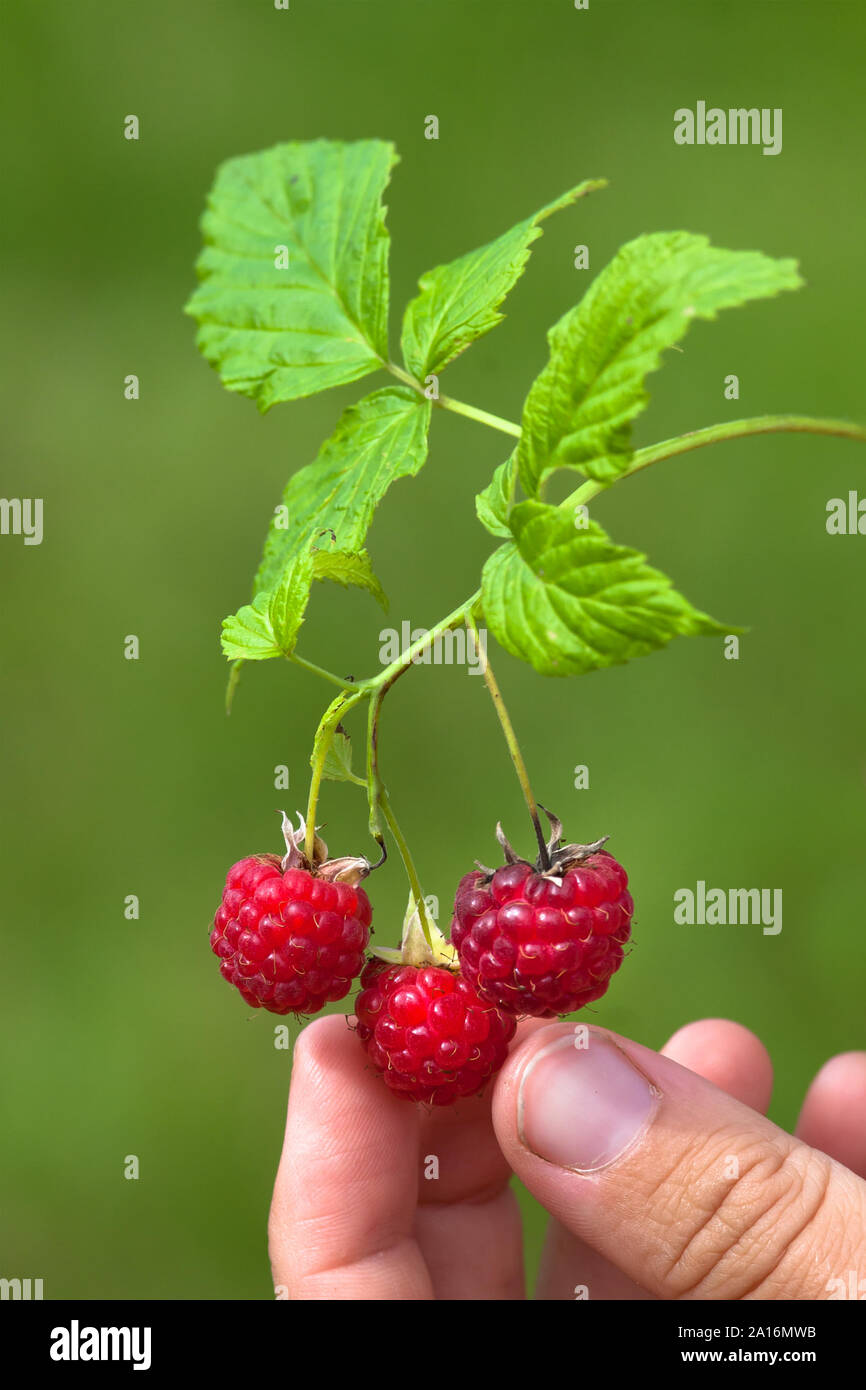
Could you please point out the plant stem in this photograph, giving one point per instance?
(405, 377)
(511, 740)
(715, 434)
(374, 784)
(459, 407)
(379, 799)
(321, 746)
(312, 803)
(482, 416)
(387, 677)
(405, 659)
(234, 677)
(320, 671)
(408, 864)
(375, 690)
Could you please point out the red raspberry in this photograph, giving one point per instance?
(544, 942)
(428, 1032)
(290, 941)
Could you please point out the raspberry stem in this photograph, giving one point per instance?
(320, 671)
(716, 434)
(379, 800)
(511, 740)
(402, 663)
(483, 417)
(471, 412)
(408, 863)
(375, 689)
(324, 738)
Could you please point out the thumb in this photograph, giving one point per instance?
(690, 1193)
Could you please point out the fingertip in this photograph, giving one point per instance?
(326, 1045)
(729, 1055)
(833, 1117)
(842, 1072)
(320, 1040)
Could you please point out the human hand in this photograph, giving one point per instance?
(354, 1217)
(690, 1192)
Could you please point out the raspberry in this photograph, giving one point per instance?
(428, 1033)
(544, 941)
(290, 939)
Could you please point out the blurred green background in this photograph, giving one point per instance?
(126, 777)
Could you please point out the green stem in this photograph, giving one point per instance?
(402, 662)
(471, 412)
(374, 785)
(234, 677)
(511, 740)
(322, 744)
(405, 659)
(375, 690)
(379, 800)
(320, 671)
(405, 377)
(408, 864)
(484, 417)
(312, 803)
(715, 434)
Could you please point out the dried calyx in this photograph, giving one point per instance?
(560, 857)
(349, 868)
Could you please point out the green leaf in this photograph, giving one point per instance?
(318, 531)
(459, 301)
(579, 411)
(338, 760)
(494, 503)
(248, 635)
(570, 601)
(349, 569)
(269, 625)
(329, 504)
(278, 332)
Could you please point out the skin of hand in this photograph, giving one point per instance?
(662, 1177)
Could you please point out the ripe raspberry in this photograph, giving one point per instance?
(544, 941)
(427, 1031)
(289, 939)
